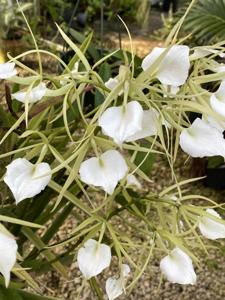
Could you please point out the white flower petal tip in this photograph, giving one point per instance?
(217, 100)
(8, 249)
(33, 96)
(202, 140)
(173, 68)
(26, 180)
(93, 258)
(210, 228)
(177, 267)
(132, 181)
(121, 122)
(105, 171)
(7, 70)
(114, 287)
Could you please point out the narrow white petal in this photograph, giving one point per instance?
(177, 267)
(148, 126)
(93, 258)
(201, 139)
(33, 96)
(114, 288)
(26, 180)
(7, 70)
(132, 181)
(174, 67)
(122, 122)
(104, 172)
(217, 100)
(210, 228)
(8, 249)
(203, 52)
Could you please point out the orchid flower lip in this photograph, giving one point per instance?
(26, 180)
(202, 139)
(121, 122)
(93, 258)
(173, 68)
(106, 174)
(209, 227)
(177, 267)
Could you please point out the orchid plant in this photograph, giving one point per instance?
(63, 158)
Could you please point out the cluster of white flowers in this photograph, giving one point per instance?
(125, 123)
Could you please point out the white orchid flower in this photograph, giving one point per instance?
(122, 122)
(26, 180)
(8, 249)
(93, 258)
(148, 126)
(217, 100)
(173, 68)
(132, 181)
(129, 123)
(202, 140)
(115, 287)
(33, 96)
(210, 228)
(105, 171)
(7, 70)
(177, 267)
(203, 52)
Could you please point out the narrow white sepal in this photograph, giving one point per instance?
(173, 68)
(26, 180)
(115, 287)
(202, 140)
(7, 70)
(33, 96)
(93, 258)
(8, 250)
(177, 267)
(122, 122)
(210, 228)
(105, 171)
(203, 52)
